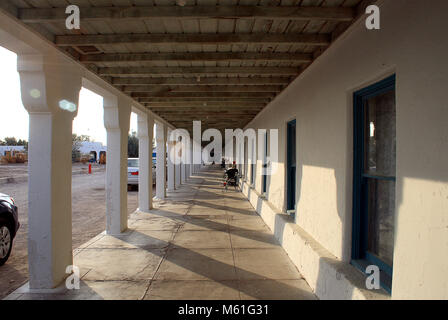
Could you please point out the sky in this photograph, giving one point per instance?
(14, 120)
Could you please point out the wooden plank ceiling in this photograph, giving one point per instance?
(218, 61)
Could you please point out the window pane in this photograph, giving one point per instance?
(381, 208)
(380, 145)
(132, 163)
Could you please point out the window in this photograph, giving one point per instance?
(374, 178)
(252, 164)
(245, 156)
(291, 165)
(133, 163)
(265, 164)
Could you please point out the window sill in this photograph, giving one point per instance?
(385, 279)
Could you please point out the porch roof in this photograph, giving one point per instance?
(219, 61)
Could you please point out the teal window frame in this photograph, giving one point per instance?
(360, 257)
(291, 165)
(264, 182)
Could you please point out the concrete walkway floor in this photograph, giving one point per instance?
(200, 243)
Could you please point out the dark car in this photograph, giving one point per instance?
(9, 224)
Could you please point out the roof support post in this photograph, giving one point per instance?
(145, 131)
(171, 167)
(50, 92)
(177, 167)
(191, 166)
(161, 134)
(116, 120)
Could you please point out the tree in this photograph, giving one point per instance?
(133, 145)
(81, 138)
(23, 143)
(76, 144)
(12, 141)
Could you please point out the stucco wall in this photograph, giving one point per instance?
(412, 43)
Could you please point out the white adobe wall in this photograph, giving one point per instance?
(413, 44)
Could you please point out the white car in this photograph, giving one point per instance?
(133, 167)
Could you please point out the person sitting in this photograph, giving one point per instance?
(232, 174)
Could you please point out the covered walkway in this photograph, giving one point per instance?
(348, 120)
(198, 243)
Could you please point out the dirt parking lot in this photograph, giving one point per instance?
(88, 217)
(18, 172)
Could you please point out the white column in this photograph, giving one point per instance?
(116, 120)
(177, 167)
(183, 170)
(177, 174)
(185, 159)
(161, 135)
(240, 155)
(187, 163)
(50, 92)
(252, 160)
(197, 150)
(145, 134)
(187, 171)
(171, 167)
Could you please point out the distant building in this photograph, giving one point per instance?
(94, 149)
(4, 149)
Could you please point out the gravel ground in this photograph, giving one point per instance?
(18, 171)
(88, 220)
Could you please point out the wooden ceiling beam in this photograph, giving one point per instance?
(206, 115)
(198, 110)
(222, 104)
(196, 56)
(207, 118)
(38, 15)
(209, 112)
(203, 101)
(202, 95)
(193, 38)
(221, 123)
(160, 89)
(202, 81)
(149, 71)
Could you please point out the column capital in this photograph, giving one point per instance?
(49, 83)
(117, 113)
(145, 123)
(161, 132)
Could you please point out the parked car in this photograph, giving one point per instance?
(9, 224)
(133, 168)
